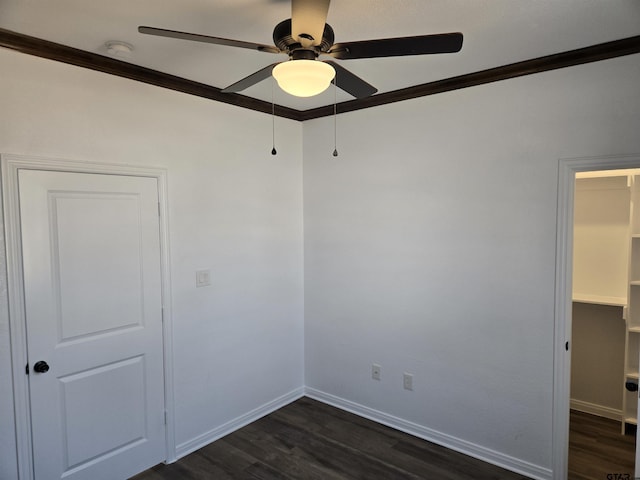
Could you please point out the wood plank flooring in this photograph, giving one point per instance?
(310, 440)
(597, 448)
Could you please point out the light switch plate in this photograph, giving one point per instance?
(407, 381)
(203, 278)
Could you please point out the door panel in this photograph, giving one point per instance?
(115, 272)
(91, 257)
(118, 423)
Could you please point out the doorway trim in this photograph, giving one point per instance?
(567, 168)
(11, 164)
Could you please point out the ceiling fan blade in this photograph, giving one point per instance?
(251, 80)
(351, 83)
(398, 47)
(308, 18)
(161, 32)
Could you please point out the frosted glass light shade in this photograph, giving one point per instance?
(303, 78)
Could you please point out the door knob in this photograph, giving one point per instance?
(41, 367)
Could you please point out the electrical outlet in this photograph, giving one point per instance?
(407, 381)
(375, 371)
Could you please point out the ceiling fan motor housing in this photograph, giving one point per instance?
(283, 39)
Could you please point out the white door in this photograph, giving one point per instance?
(91, 258)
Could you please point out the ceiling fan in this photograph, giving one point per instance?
(306, 36)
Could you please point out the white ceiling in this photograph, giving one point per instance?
(496, 32)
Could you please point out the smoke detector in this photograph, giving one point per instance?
(116, 48)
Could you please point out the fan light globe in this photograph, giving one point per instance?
(303, 78)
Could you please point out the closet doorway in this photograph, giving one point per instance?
(568, 169)
(604, 336)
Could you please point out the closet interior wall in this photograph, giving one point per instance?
(605, 345)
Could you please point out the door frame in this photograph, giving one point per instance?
(567, 168)
(11, 164)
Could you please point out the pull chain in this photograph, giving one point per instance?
(335, 117)
(273, 121)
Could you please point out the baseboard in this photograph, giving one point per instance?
(439, 438)
(239, 422)
(595, 409)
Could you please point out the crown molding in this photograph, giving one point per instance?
(595, 53)
(81, 58)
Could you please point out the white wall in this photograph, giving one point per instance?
(233, 208)
(597, 359)
(430, 248)
(600, 272)
(601, 238)
(429, 242)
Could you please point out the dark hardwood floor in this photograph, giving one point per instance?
(310, 440)
(598, 449)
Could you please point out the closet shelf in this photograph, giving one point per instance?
(600, 300)
(634, 329)
(631, 420)
(632, 376)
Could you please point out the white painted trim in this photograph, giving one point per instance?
(562, 323)
(17, 320)
(167, 315)
(595, 409)
(231, 426)
(17, 325)
(468, 448)
(567, 169)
